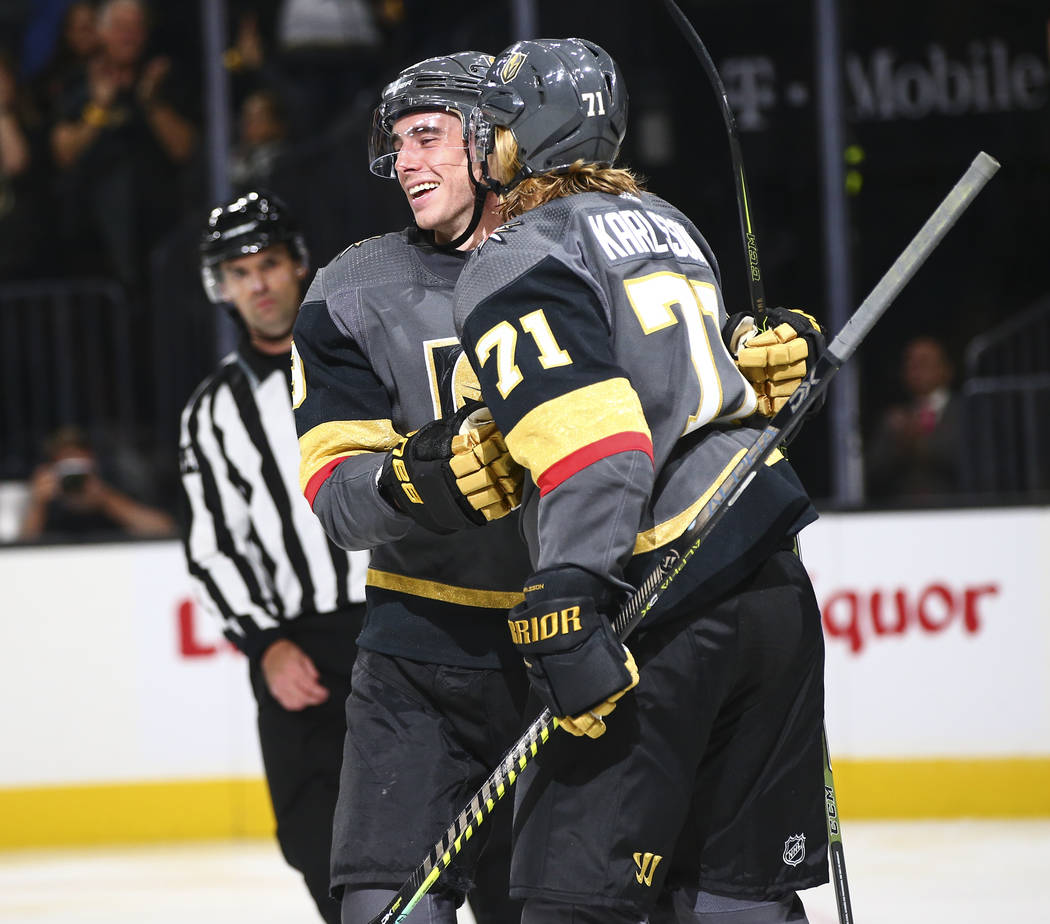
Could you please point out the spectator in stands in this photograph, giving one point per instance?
(913, 457)
(23, 177)
(121, 143)
(68, 498)
(250, 59)
(262, 136)
(327, 51)
(75, 44)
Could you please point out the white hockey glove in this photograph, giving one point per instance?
(774, 360)
(574, 661)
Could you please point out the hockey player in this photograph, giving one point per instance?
(592, 317)
(288, 598)
(438, 690)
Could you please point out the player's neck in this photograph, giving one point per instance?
(270, 346)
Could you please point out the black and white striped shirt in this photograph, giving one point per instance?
(257, 554)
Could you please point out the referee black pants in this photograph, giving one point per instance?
(303, 751)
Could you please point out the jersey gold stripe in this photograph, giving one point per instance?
(327, 441)
(446, 593)
(671, 529)
(542, 437)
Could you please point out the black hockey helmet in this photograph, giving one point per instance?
(447, 82)
(564, 100)
(250, 223)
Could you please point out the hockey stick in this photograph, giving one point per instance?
(779, 430)
(838, 857)
(757, 292)
(754, 271)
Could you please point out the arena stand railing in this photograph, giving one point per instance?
(1006, 393)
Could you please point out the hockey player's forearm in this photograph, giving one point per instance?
(606, 499)
(351, 510)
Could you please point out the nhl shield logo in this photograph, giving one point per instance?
(511, 67)
(795, 849)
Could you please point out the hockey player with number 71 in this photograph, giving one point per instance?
(593, 318)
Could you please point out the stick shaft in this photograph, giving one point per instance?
(756, 287)
(980, 171)
(835, 849)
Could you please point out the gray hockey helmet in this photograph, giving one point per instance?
(564, 100)
(447, 82)
(248, 224)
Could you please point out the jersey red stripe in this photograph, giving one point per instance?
(318, 478)
(585, 455)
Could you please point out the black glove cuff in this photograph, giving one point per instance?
(425, 490)
(416, 479)
(553, 626)
(570, 581)
(571, 682)
(388, 484)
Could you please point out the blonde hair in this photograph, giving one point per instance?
(534, 191)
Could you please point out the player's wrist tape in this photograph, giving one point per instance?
(573, 658)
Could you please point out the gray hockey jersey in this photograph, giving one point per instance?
(376, 356)
(593, 323)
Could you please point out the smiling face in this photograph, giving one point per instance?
(264, 287)
(431, 167)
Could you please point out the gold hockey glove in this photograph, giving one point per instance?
(592, 722)
(774, 360)
(418, 480)
(485, 472)
(574, 661)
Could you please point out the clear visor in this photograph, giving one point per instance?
(211, 278)
(481, 136)
(424, 133)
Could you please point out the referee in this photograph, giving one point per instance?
(287, 597)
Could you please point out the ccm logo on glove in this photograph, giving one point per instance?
(538, 628)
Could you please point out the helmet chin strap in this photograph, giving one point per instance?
(480, 193)
(488, 182)
(482, 187)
